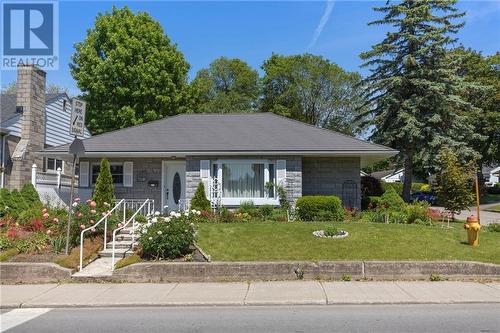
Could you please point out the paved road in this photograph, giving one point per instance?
(486, 216)
(338, 318)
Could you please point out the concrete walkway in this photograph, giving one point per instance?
(254, 293)
(101, 267)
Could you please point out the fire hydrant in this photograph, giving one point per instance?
(472, 226)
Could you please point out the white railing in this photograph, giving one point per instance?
(215, 193)
(105, 219)
(145, 207)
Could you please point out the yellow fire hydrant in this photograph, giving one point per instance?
(472, 226)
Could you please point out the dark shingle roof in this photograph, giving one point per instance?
(8, 104)
(210, 133)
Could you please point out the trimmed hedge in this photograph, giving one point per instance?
(317, 207)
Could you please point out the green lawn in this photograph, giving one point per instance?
(494, 209)
(294, 241)
(490, 198)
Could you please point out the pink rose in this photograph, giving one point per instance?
(93, 229)
(92, 221)
(76, 199)
(93, 204)
(92, 211)
(44, 210)
(56, 220)
(82, 226)
(46, 215)
(79, 214)
(120, 225)
(88, 201)
(104, 213)
(49, 232)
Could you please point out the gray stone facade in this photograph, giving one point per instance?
(31, 96)
(338, 176)
(293, 173)
(145, 170)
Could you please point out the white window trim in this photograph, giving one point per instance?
(91, 173)
(47, 170)
(257, 201)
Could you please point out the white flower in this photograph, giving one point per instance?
(191, 224)
(186, 214)
(193, 211)
(145, 231)
(177, 215)
(159, 232)
(149, 224)
(74, 204)
(150, 238)
(172, 213)
(154, 220)
(167, 219)
(157, 213)
(198, 212)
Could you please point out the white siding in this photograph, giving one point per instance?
(57, 123)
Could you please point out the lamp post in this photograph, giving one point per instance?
(77, 149)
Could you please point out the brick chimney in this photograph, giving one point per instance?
(31, 102)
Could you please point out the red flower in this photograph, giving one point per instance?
(13, 232)
(36, 225)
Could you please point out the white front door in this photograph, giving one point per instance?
(173, 185)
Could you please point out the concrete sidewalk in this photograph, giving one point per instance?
(254, 293)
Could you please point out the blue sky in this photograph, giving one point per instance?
(252, 31)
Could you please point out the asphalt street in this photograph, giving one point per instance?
(483, 318)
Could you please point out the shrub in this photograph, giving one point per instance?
(390, 199)
(425, 188)
(104, 191)
(284, 204)
(133, 259)
(330, 231)
(494, 227)
(415, 187)
(417, 211)
(30, 195)
(168, 238)
(494, 190)
(266, 211)
(311, 208)
(16, 203)
(200, 201)
(398, 187)
(246, 206)
(4, 201)
(346, 277)
(226, 216)
(370, 186)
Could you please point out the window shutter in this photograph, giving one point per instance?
(128, 174)
(84, 174)
(281, 173)
(205, 175)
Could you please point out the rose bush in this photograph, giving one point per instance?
(168, 237)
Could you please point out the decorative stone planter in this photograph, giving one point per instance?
(340, 234)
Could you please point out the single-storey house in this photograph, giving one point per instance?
(491, 175)
(236, 156)
(390, 176)
(31, 120)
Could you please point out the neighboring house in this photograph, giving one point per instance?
(234, 155)
(31, 120)
(390, 176)
(491, 175)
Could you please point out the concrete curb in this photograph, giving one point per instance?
(43, 272)
(257, 271)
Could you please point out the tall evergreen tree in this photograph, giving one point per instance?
(414, 90)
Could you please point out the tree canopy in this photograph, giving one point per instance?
(129, 71)
(483, 74)
(227, 85)
(414, 89)
(312, 89)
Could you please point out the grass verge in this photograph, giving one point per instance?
(495, 209)
(7, 254)
(91, 248)
(367, 241)
(133, 259)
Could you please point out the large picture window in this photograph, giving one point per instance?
(116, 173)
(242, 180)
(245, 180)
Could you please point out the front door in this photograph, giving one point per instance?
(173, 185)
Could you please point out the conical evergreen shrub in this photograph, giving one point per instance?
(104, 190)
(200, 201)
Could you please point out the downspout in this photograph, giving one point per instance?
(4, 139)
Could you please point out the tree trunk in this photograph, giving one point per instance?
(408, 175)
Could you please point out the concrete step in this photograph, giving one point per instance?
(119, 253)
(126, 237)
(125, 244)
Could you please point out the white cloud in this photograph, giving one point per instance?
(322, 22)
